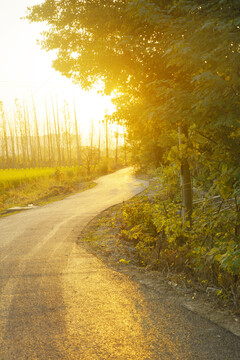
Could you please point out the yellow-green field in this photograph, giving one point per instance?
(13, 178)
(20, 187)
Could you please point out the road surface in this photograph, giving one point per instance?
(57, 301)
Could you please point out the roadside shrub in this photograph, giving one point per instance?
(209, 251)
(103, 168)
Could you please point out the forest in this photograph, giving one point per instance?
(173, 68)
(43, 159)
(27, 141)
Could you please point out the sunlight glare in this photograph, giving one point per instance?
(26, 72)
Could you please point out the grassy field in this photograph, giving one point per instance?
(20, 187)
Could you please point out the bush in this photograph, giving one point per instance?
(209, 251)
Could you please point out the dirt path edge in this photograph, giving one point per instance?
(101, 240)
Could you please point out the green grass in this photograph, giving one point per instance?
(38, 186)
(14, 178)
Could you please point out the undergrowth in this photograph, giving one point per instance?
(208, 252)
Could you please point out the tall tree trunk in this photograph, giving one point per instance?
(26, 134)
(22, 137)
(66, 141)
(91, 142)
(19, 118)
(125, 149)
(106, 129)
(6, 143)
(45, 143)
(77, 136)
(70, 149)
(49, 136)
(2, 136)
(186, 182)
(116, 150)
(99, 144)
(62, 160)
(17, 146)
(32, 157)
(56, 136)
(4, 125)
(37, 136)
(13, 147)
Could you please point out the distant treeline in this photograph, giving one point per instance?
(59, 143)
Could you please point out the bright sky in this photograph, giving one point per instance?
(25, 69)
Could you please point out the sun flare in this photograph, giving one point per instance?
(26, 73)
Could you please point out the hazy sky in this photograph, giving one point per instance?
(22, 60)
(25, 68)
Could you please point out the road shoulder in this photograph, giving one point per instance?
(101, 237)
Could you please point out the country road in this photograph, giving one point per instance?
(57, 301)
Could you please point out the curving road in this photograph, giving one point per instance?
(57, 301)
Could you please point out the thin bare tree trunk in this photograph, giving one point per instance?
(32, 156)
(4, 126)
(20, 125)
(37, 135)
(13, 147)
(99, 144)
(50, 145)
(125, 149)
(77, 136)
(70, 149)
(2, 151)
(26, 132)
(106, 129)
(62, 160)
(64, 137)
(56, 136)
(116, 151)
(91, 142)
(44, 144)
(17, 146)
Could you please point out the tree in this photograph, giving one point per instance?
(57, 135)
(51, 155)
(77, 136)
(171, 64)
(67, 129)
(37, 136)
(106, 122)
(4, 136)
(116, 135)
(20, 122)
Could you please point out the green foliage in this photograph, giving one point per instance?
(103, 168)
(170, 64)
(209, 251)
(138, 227)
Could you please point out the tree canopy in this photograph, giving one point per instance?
(173, 67)
(169, 63)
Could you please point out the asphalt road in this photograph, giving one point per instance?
(57, 301)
